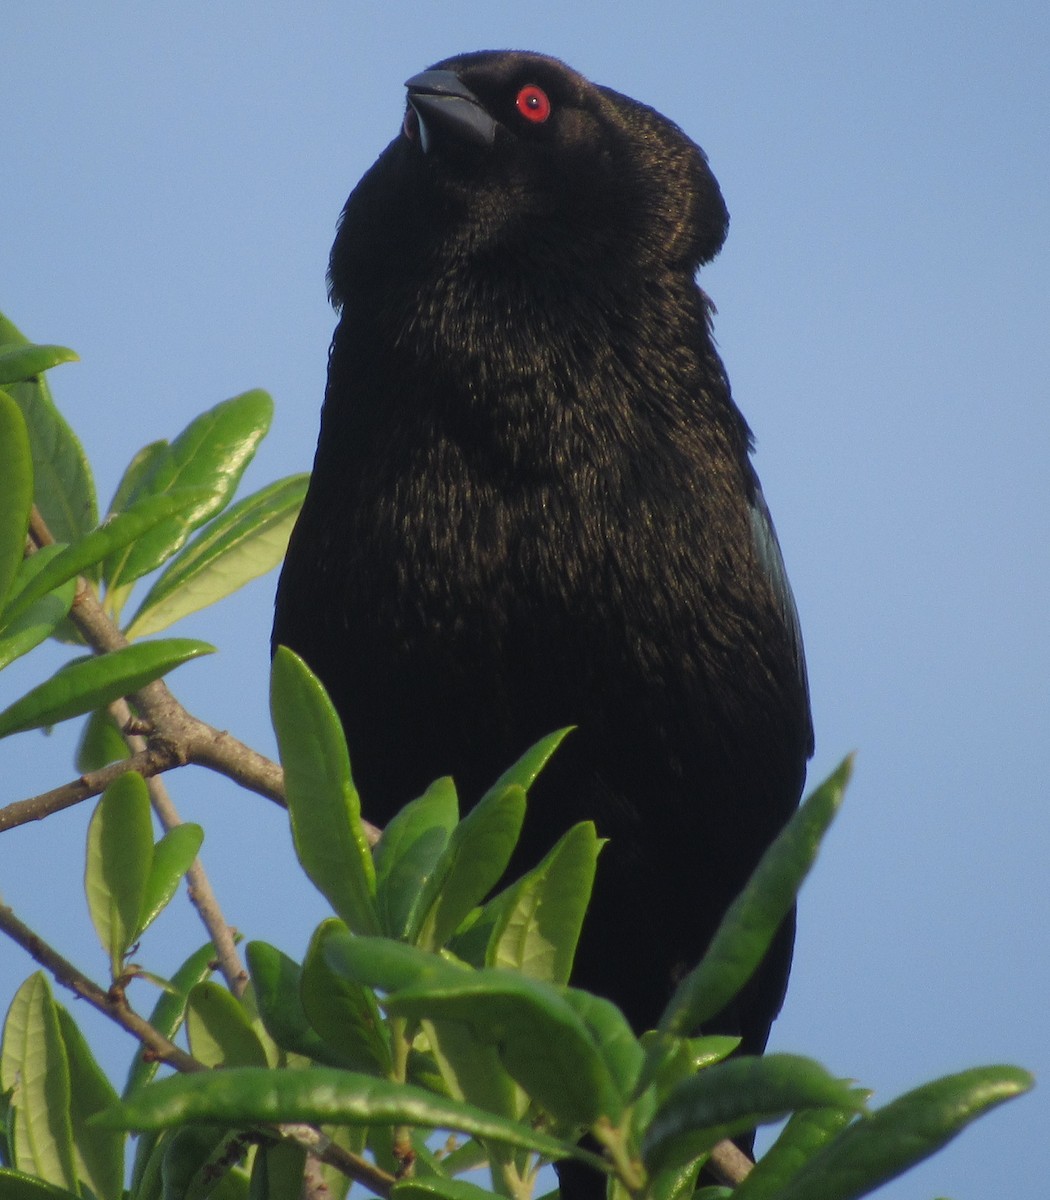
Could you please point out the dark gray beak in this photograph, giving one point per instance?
(446, 108)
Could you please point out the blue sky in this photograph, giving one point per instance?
(171, 184)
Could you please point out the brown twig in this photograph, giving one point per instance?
(111, 1004)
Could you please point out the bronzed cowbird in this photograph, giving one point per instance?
(533, 505)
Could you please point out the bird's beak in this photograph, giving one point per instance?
(446, 107)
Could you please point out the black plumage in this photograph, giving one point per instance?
(533, 505)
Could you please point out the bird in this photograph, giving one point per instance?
(533, 505)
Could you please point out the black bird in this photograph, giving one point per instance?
(533, 505)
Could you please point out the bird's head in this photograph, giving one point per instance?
(515, 152)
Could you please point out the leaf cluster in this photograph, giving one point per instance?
(435, 1000)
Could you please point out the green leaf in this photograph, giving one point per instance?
(199, 1162)
(538, 920)
(100, 743)
(800, 1139)
(20, 363)
(211, 453)
(119, 853)
(881, 1146)
(276, 979)
(99, 1153)
(612, 1036)
(735, 1096)
(38, 622)
(243, 543)
(34, 1066)
(541, 1041)
(122, 530)
(90, 683)
(323, 804)
(277, 1173)
(63, 487)
(344, 1013)
(143, 462)
(408, 851)
(523, 773)
(219, 1030)
(170, 1010)
(173, 856)
(433, 1187)
(166, 1018)
(386, 965)
(475, 858)
(471, 1070)
(245, 1095)
(14, 1185)
(754, 917)
(16, 470)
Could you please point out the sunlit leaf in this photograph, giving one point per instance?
(33, 1065)
(219, 1029)
(753, 919)
(323, 804)
(91, 683)
(119, 854)
(241, 544)
(735, 1096)
(245, 1095)
(99, 1153)
(63, 487)
(211, 453)
(16, 470)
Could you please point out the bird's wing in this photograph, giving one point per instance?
(772, 560)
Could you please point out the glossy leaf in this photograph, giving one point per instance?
(538, 920)
(63, 487)
(753, 919)
(34, 1066)
(122, 530)
(38, 622)
(219, 1030)
(523, 773)
(434, 1188)
(326, 1095)
(879, 1147)
(409, 849)
(99, 1153)
(16, 470)
(211, 453)
(344, 1013)
(172, 857)
(90, 683)
(143, 462)
(19, 363)
(323, 804)
(735, 1096)
(541, 1041)
(241, 544)
(386, 965)
(472, 863)
(119, 854)
(800, 1139)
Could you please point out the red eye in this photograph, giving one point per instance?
(533, 104)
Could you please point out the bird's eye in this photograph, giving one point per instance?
(533, 104)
